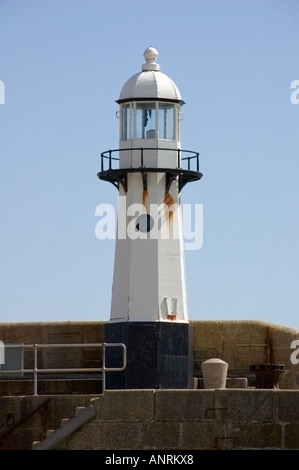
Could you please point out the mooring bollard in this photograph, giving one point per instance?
(267, 375)
(214, 373)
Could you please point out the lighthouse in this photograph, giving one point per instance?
(149, 311)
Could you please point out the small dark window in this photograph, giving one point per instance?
(144, 223)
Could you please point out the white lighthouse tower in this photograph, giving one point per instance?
(149, 307)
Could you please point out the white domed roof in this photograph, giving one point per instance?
(150, 83)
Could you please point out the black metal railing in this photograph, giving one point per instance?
(190, 162)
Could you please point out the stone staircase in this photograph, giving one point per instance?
(68, 425)
(26, 418)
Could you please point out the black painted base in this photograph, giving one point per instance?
(159, 355)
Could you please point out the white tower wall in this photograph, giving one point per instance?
(150, 271)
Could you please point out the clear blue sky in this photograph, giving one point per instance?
(63, 64)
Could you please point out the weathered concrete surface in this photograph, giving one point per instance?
(57, 333)
(190, 419)
(158, 420)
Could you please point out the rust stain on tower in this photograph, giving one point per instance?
(169, 201)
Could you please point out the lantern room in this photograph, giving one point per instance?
(150, 105)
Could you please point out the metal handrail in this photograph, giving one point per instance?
(107, 157)
(36, 370)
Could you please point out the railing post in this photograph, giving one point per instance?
(179, 158)
(35, 369)
(110, 152)
(141, 156)
(104, 368)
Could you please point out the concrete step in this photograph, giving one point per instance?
(35, 444)
(64, 421)
(79, 409)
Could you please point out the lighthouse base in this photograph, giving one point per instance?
(159, 355)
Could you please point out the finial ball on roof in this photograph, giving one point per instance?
(150, 54)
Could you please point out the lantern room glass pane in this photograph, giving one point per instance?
(126, 122)
(166, 121)
(145, 121)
